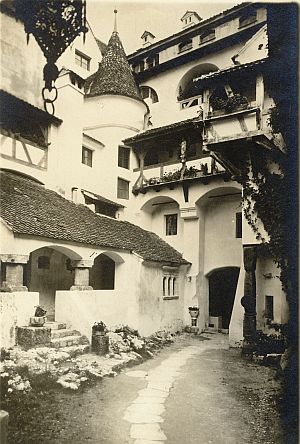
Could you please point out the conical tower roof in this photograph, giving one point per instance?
(114, 75)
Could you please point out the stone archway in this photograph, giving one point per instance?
(102, 273)
(49, 270)
(222, 289)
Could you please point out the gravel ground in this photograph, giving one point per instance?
(94, 413)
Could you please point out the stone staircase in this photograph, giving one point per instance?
(55, 335)
(61, 336)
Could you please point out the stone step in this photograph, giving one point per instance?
(61, 333)
(67, 341)
(55, 325)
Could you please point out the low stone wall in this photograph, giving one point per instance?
(15, 311)
(81, 309)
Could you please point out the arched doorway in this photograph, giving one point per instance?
(102, 273)
(49, 270)
(222, 288)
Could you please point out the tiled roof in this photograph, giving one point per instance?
(114, 75)
(197, 26)
(230, 69)
(162, 130)
(30, 209)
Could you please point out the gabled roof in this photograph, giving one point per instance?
(188, 13)
(146, 33)
(114, 75)
(30, 209)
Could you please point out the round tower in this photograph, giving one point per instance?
(112, 98)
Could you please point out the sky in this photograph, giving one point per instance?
(160, 18)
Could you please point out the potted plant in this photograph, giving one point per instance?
(99, 329)
(39, 318)
(232, 103)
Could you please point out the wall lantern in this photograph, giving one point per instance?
(54, 25)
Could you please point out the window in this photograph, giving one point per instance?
(149, 93)
(238, 225)
(87, 156)
(171, 224)
(82, 60)
(44, 262)
(184, 46)
(169, 283)
(123, 189)
(269, 307)
(207, 36)
(247, 20)
(123, 157)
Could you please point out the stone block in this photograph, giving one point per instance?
(28, 337)
(3, 426)
(100, 344)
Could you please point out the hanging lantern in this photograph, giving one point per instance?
(54, 25)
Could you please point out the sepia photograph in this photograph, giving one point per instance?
(149, 222)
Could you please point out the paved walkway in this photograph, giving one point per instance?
(194, 392)
(185, 400)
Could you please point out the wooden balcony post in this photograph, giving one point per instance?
(260, 94)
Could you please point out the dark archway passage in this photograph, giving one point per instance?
(102, 274)
(222, 288)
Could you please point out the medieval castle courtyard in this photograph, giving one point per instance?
(148, 229)
(195, 391)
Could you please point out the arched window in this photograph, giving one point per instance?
(149, 93)
(164, 286)
(174, 292)
(169, 286)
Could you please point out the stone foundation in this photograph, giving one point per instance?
(28, 337)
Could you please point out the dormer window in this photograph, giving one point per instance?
(147, 38)
(185, 46)
(246, 20)
(190, 18)
(207, 36)
(82, 60)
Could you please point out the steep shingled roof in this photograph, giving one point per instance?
(30, 209)
(114, 75)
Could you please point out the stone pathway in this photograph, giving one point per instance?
(145, 412)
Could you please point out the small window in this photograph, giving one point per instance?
(87, 156)
(44, 262)
(185, 46)
(164, 286)
(171, 224)
(82, 60)
(123, 189)
(247, 20)
(207, 36)
(269, 307)
(238, 225)
(123, 157)
(169, 284)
